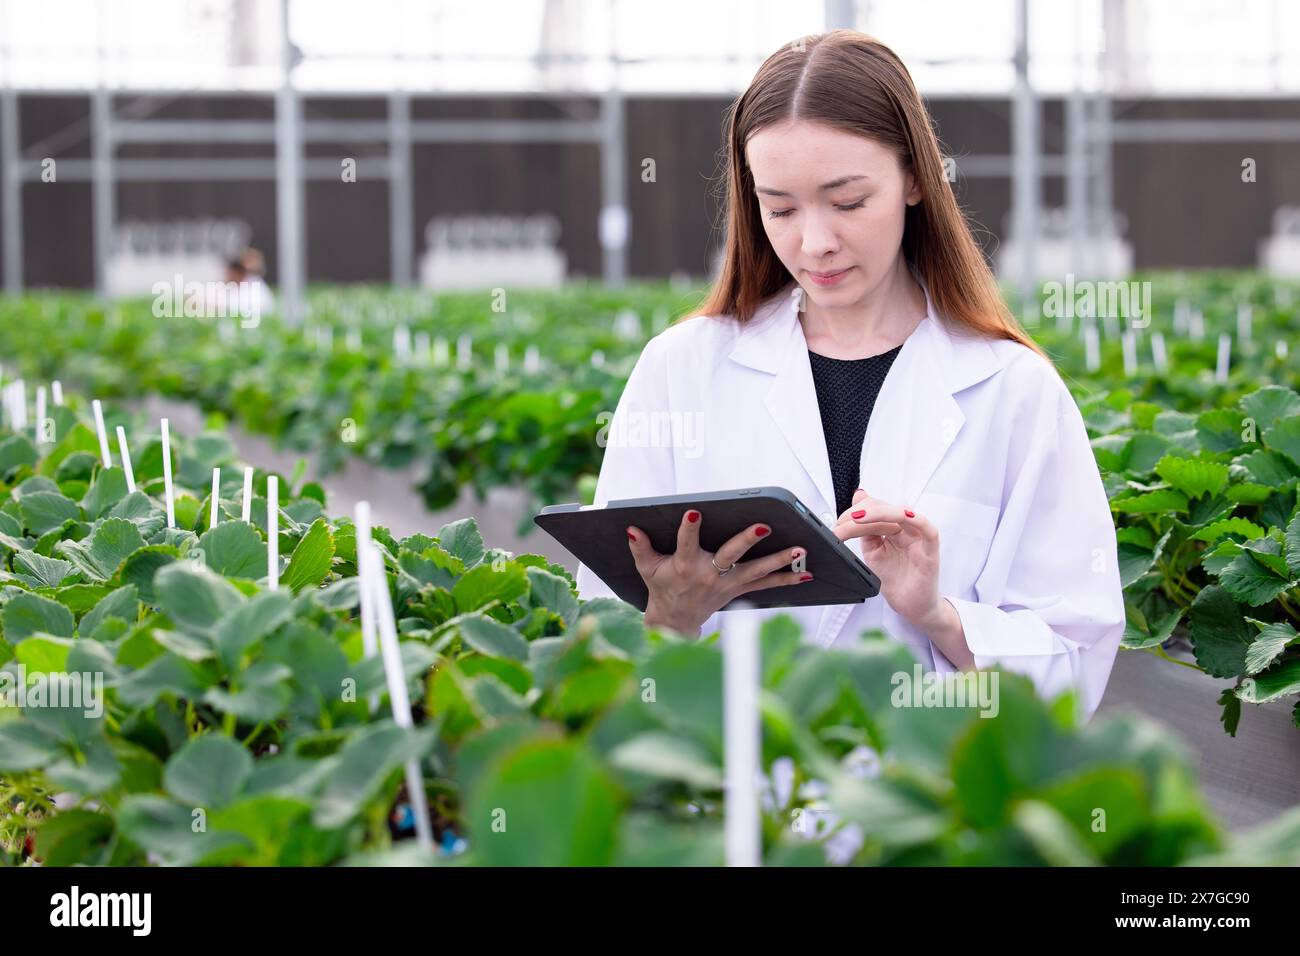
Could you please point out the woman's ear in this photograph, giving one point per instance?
(914, 194)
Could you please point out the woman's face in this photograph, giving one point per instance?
(832, 202)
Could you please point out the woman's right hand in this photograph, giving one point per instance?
(685, 586)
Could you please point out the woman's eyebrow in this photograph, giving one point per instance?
(833, 184)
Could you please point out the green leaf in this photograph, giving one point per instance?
(209, 771)
(1220, 429)
(365, 762)
(263, 693)
(1151, 502)
(1134, 561)
(1277, 682)
(235, 549)
(1266, 405)
(250, 623)
(15, 452)
(1248, 579)
(1284, 437)
(109, 545)
(1220, 634)
(27, 614)
(73, 836)
(194, 597)
(552, 592)
(26, 746)
(462, 539)
(544, 803)
(1193, 476)
(481, 585)
(668, 757)
(1213, 532)
(143, 565)
(492, 638)
(1273, 639)
(123, 603)
(46, 510)
(311, 560)
(108, 488)
(1292, 540)
(43, 654)
(38, 571)
(166, 674)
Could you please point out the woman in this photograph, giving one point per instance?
(856, 351)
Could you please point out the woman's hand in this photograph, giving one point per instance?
(902, 548)
(685, 586)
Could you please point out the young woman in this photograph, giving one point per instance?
(856, 351)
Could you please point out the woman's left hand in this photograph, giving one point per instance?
(902, 548)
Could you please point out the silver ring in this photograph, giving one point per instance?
(721, 571)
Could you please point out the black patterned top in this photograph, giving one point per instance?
(846, 395)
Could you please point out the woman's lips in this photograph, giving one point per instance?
(824, 279)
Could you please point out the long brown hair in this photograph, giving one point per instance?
(853, 82)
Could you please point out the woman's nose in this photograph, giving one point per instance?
(819, 238)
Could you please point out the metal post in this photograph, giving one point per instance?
(1026, 187)
(614, 218)
(102, 188)
(11, 161)
(1076, 182)
(400, 194)
(288, 184)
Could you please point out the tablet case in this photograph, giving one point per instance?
(597, 537)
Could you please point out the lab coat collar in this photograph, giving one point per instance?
(915, 419)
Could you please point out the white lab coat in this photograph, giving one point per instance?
(979, 435)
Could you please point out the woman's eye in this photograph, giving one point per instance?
(850, 206)
(778, 213)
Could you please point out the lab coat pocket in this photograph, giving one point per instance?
(966, 531)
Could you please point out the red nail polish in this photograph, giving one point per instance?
(760, 531)
(909, 513)
(805, 577)
(797, 553)
(859, 514)
(631, 536)
(692, 516)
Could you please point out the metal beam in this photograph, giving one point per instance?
(11, 162)
(401, 199)
(1026, 195)
(288, 184)
(1204, 131)
(102, 184)
(199, 169)
(1076, 181)
(615, 220)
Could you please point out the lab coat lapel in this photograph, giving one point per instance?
(774, 343)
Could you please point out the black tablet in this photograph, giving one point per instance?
(596, 536)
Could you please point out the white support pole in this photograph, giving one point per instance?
(98, 408)
(214, 505)
(169, 496)
(247, 514)
(272, 532)
(369, 642)
(288, 182)
(126, 458)
(742, 738)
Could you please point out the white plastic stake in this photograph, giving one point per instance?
(422, 348)
(272, 533)
(1196, 325)
(464, 351)
(1158, 353)
(103, 433)
(532, 359)
(502, 358)
(168, 494)
(354, 340)
(1279, 348)
(598, 359)
(40, 414)
(369, 642)
(1225, 354)
(247, 514)
(1129, 345)
(1245, 319)
(441, 352)
(56, 389)
(126, 458)
(396, 678)
(402, 343)
(215, 500)
(741, 737)
(20, 404)
(1111, 325)
(1182, 313)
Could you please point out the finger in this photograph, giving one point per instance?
(779, 579)
(759, 567)
(859, 496)
(643, 553)
(738, 545)
(688, 533)
(855, 529)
